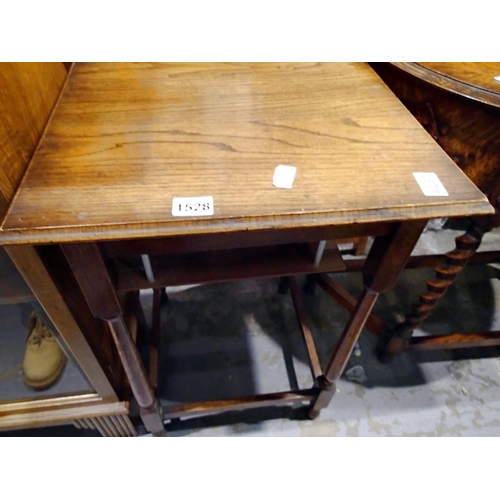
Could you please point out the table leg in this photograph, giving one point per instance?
(466, 246)
(92, 275)
(385, 262)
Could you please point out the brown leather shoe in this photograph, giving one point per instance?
(44, 359)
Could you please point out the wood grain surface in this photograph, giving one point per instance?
(475, 80)
(461, 117)
(127, 138)
(28, 93)
(479, 74)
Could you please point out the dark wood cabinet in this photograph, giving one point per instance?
(87, 393)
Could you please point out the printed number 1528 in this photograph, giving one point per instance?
(194, 207)
(202, 205)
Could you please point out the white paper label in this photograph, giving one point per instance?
(193, 206)
(497, 78)
(284, 175)
(430, 184)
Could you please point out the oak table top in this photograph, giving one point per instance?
(485, 76)
(475, 80)
(125, 139)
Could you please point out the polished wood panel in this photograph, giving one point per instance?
(463, 123)
(127, 138)
(28, 93)
(474, 80)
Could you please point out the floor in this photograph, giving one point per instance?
(239, 339)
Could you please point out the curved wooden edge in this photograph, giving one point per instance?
(449, 84)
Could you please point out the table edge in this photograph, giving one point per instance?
(130, 231)
(440, 80)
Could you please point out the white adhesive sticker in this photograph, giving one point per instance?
(430, 184)
(193, 206)
(284, 175)
(497, 78)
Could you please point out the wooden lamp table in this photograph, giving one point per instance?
(126, 139)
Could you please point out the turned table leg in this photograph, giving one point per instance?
(385, 262)
(466, 246)
(90, 271)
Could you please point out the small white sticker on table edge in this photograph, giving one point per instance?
(197, 202)
(284, 175)
(430, 184)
